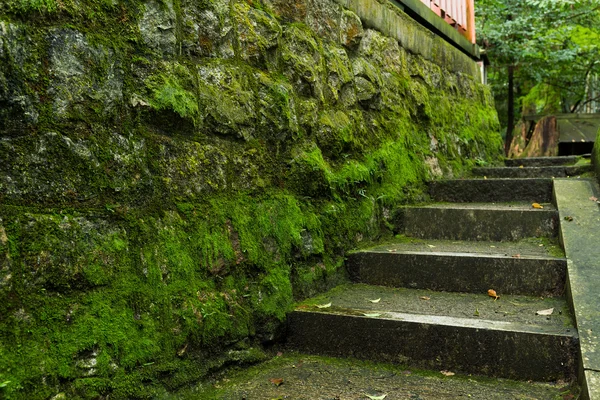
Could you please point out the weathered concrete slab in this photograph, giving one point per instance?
(529, 247)
(510, 273)
(492, 190)
(477, 221)
(306, 377)
(440, 331)
(532, 172)
(580, 219)
(541, 161)
(590, 389)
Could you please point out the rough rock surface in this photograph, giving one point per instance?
(173, 175)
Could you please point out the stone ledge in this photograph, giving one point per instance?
(388, 18)
(580, 220)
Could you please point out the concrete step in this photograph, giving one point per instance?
(541, 161)
(524, 267)
(299, 376)
(470, 333)
(474, 221)
(537, 190)
(532, 172)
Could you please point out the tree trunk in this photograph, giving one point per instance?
(510, 126)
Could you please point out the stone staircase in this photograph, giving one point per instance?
(422, 299)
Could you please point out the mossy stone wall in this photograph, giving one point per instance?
(174, 174)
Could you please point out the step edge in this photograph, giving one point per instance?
(448, 321)
(458, 254)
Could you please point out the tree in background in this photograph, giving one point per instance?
(544, 56)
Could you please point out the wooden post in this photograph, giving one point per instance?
(471, 20)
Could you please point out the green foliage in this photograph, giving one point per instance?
(551, 46)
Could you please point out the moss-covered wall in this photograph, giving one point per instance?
(174, 173)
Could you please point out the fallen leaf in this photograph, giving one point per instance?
(476, 313)
(324, 305)
(383, 396)
(568, 218)
(279, 354)
(392, 250)
(492, 293)
(537, 205)
(545, 312)
(425, 298)
(484, 177)
(447, 373)
(376, 300)
(372, 315)
(181, 352)
(516, 256)
(493, 246)
(431, 246)
(593, 198)
(276, 381)
(521, 166)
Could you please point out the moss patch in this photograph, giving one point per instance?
(177, 175)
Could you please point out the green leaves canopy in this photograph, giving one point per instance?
(548, 42)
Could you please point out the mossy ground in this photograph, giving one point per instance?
(311, 377)
(174, 176)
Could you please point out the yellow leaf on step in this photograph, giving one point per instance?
(537, 205)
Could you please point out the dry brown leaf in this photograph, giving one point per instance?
(516, 256)
(593, 198)
(447, 373)
(425, 298)
(492, 293)
(545, 312)
(276, 381)
(537, 205)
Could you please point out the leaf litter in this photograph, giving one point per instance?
(549, 311)
(276, 381)
(324, 305)
(383, 396)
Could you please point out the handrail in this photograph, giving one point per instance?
(458, 13)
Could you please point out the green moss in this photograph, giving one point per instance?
(147, 244)
(173, 89)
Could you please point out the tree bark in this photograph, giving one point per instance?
(510, 126)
